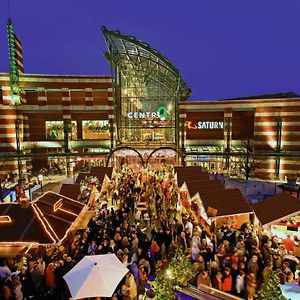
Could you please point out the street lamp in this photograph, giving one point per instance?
(40, 181)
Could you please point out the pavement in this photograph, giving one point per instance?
(51, 183)
(254, 190)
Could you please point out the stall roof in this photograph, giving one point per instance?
(44, 221)
(58, 213)
(102, 170)
(227, 202)
(22, 225)
(188, 174)
(277, 207)
(212, 192)
(70, 190)
(98, 172)
(205, 186)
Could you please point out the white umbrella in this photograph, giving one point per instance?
(95, 276)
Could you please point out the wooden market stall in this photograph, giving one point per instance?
(44, 222)
(279, 214)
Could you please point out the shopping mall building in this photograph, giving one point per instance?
(141, 112)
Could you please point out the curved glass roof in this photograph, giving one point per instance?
(144, 67)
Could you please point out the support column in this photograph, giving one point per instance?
(66, 102)
(111, 118)
(19, 148)
(278, 146)
(227, 135)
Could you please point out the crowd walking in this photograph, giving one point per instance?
(140, 217)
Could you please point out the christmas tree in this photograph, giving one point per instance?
(270, 289)
(178, 273)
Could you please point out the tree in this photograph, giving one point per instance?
(178, 272)
(247, 162)
(270, 289)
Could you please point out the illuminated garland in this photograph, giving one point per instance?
(270, 289)
(178, 273)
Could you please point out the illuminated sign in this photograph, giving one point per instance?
(161, 113)
(210, 125)
(205, 125)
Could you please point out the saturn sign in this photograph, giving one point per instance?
(210, 125)
(205, 125)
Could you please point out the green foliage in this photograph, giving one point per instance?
(178, 273)
(270, 289)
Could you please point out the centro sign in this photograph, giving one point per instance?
(210, 125)
(161, 113)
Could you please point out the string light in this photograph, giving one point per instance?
(5, 219)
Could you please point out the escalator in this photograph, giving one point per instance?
(203, 293)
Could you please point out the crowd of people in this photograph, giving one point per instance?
(145, 237)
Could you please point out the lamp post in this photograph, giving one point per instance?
(40, 180)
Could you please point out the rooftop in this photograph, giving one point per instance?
(283, 95)
(277, 207)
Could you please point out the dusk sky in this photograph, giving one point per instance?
(224, 48)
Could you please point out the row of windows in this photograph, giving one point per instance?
(91, 130)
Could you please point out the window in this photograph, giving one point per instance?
(95, 130)
(54, 130)
(74, 130)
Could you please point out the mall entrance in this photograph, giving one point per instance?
(163, 156)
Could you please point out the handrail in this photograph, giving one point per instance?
(206, 293)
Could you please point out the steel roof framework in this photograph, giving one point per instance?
(145, 77)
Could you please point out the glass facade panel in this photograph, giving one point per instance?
(148, 120)
(95, 129)
(54, 130)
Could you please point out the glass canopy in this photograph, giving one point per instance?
(148, 89)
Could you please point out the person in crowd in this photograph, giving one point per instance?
(203, 278)
(50, 278)
(131, 286)
(217, 281)
(251, 285)
(240, 284)
(226, 280)
(143, 277)
(288, 243)
(17, 287)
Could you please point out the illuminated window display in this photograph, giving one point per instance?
(95, 129)
(74, 130)
(150, 122)
(54, 130)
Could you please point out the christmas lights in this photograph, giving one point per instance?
(5, 219)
